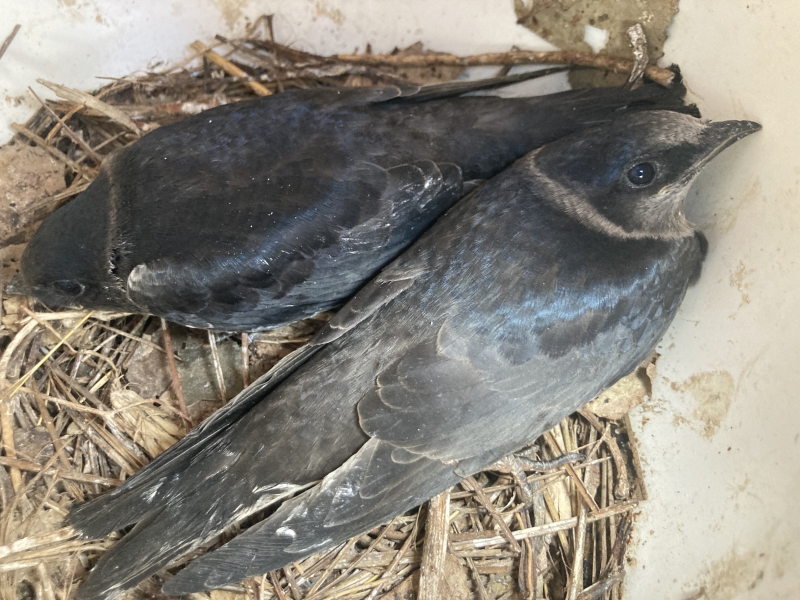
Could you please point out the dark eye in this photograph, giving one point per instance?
(70, 288)
(642, 174)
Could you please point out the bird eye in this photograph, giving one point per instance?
(70, 288)
(642, 174)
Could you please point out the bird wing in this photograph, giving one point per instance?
(415, 94)
(134, 498)
(433, 416)
(308, 256)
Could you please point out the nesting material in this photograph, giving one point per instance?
(79, 413)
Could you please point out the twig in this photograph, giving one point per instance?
(58, 447)
(276, 586)
(434, 551)
(7, 423)
(291, 54)
(245, 359)
(32, 543)
(346, 547)
(7, 394)
(82, 98)
(48, 555)
(591, 419)
(108, 439)
(74, 109)
(72, 135)
(483, 499)
(173, 370)
(135, 338)
(46, 325)
(9, 39)
(640, 488)
(356, 562)
(484, 539)
(555, 515)
(386, 577)
(599, 589)
(228, 67)
(526, 578)
(25, 465)
(622, 488)
(519, 57)
(477, 577)
(292, 581)
(218, 375)
(73, 190)
(576, 583)
(24, 131)
(98, 315)
(15, 344)
(574, 476)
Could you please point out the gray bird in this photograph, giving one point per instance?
(257, 214)
(531, 295)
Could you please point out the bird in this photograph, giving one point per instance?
(536, 291)
(253, 215)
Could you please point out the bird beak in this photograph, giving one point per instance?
(719, 136)
(17, 286)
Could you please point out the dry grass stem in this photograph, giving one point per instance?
(57, 154)
(84, 99)
(229, 67)
(212, 342)
(173, 369)
(576, 580)
(482, 541)
(72, 135)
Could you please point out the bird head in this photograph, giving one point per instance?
(68, 261)
(629, 177)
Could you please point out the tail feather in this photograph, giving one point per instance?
(161, 479)
(449, 89)
(319, 519)
(167, 533)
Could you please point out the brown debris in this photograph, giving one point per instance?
(9, 39)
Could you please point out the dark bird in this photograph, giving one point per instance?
(531, 295)
(253, 215)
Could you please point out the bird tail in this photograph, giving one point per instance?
(157, 482)
(417, 94)
(369, 489)
(167, 533)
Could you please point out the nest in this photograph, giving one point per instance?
(87, 399)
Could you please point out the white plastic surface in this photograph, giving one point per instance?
(720, 440)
